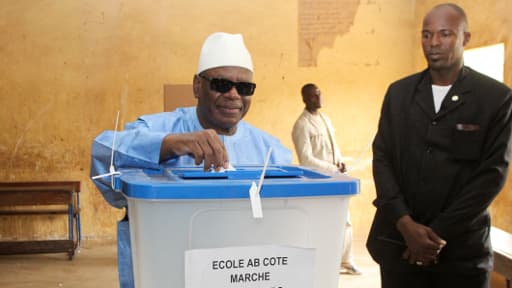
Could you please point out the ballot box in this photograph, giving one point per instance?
(174, 210)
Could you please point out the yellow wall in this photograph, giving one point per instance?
(66, 67)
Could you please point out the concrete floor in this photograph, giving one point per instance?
(95, 266)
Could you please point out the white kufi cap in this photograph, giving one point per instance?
(222, 49)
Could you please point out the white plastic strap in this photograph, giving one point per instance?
(257, 212)
(112, 169)
(254, 191)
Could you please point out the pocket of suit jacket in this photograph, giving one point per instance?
(467, 141)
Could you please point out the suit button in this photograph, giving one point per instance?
(434, 123)
(429, 150)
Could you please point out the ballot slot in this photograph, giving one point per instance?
(240, 173)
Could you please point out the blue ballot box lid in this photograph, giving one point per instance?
(194, 183)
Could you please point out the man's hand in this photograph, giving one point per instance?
(423, 244)
(202, 145)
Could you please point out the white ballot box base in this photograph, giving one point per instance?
(161, 232)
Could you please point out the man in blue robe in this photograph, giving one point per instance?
(212, 134)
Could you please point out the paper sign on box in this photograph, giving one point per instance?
(270, 266)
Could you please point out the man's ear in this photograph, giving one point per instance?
(467, 37)
(196, 86)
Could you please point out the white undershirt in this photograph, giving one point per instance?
(439, 93)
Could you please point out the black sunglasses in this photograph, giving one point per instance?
(223, 85)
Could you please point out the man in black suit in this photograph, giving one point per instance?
(440, 157)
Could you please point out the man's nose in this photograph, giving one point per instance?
(435, 40)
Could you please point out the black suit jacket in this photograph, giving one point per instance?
(444, 169)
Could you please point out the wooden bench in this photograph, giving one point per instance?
(502, 246)
(16, 198)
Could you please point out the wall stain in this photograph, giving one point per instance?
(320, 22)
